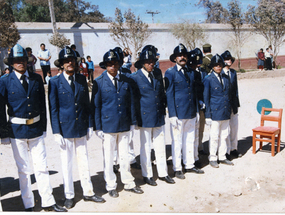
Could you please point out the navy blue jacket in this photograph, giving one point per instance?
(181, 93)
(216, 97)
(23, 105)
(150, 101)
(234, 91)
(69, 112)
(113, 109)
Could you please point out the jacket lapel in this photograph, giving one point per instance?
(17, 82)
(180, 73)
(77, 85)
(108, 81)
(143, 78)
(31, 83)
(64, 83)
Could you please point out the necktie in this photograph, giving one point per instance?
(151, 78)
(115, 82)
(25, 83)
(220, 77)
(183, 70)
(72, 83)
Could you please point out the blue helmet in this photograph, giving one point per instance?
(217, 59)
(180, 49)
(110, 55)
(16, 52)
(120, 53)
(65, 53)
(148, 53)
(195, 56)
(227, 55)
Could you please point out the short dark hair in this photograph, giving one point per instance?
(88, 57)
(261, 49)
(28, 49)
(73, 46)
(42, 44)
(206, 49)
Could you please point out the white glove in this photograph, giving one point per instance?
(59, 139)
(197, 117)
(100, 134)
(202, 104)
(5, 141)
(174, 121)
(208, 121)
(44, 134)
(89, 133)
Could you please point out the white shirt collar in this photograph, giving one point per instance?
(111, 77)
(146, 72)
(19, 75)
(66, 76)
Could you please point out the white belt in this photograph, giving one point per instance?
(24, 121)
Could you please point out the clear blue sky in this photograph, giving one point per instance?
(170, 11)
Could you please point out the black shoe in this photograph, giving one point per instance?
(198, 164)
(214, 164)
(227, 162)
(149, 181)
(236, 153)
(136, 190)
(195, 170)
(55, 208)
(30, 209)
(94, 198)
(69, 203)
(113, 193)
(116, 168)
(179, 174)
(228, 156)
(135, 165)
(202, 152)
(167, 179)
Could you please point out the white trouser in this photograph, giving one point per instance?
(156, 137)
(36, 146)
(110, 141)
(218, 135)
(67, 152)
(199, 130)
(232, 140)
(183, 140)
(131, 153)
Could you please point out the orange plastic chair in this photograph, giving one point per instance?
(268, 132)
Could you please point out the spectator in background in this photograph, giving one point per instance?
(83, 67)
(127, 59)
(73, 47)
(31, 65)
(268, 60)
(271, 55)
(44, 56)
(261, 59)
(90, 69)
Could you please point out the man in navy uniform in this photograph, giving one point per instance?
(150, 113)
(194, 62)
(114, 117)
(69, 107)
(232, 140)
(218, 111)
(24, 95)
(182, 108)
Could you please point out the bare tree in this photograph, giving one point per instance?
(216, 13)
(9, 34)
(268, 19)
(59, 40)
(237, 20)
(191, 34)
(129, 30)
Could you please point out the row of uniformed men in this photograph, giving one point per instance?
(119, 103)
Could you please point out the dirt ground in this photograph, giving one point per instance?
(254, 184)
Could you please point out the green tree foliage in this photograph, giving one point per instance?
(65, 11)
(9, 34)
(190, 34)
(129, 30)
(268, 19)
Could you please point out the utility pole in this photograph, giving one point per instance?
(52, 16)
(152, 13)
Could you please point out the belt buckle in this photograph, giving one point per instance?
(29, 121)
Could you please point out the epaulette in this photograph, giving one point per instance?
(100, 77)
(6, 75)
(54, 77)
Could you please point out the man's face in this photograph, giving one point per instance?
(217, 68)
(69, 65)
(20, 64)
(181, 59)
(43, 47)
(149, 65)
(112, 67)
(228, 62)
